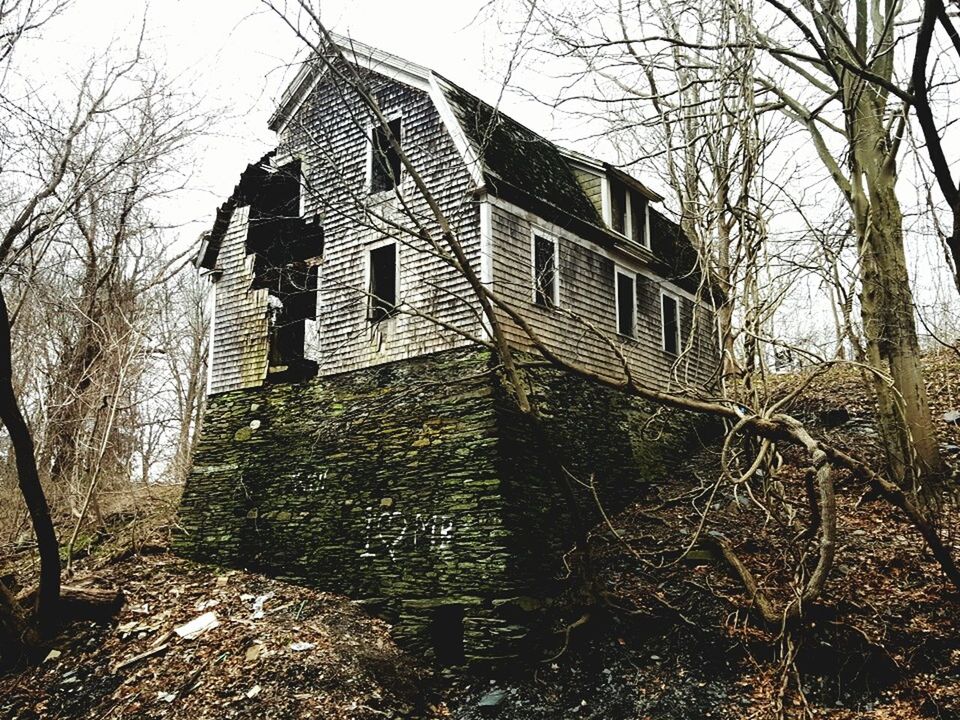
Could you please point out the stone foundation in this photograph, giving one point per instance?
(415, 487)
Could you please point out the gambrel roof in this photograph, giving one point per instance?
(508, 160)
(515, 156)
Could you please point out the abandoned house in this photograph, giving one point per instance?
(357, 436)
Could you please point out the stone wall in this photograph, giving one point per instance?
(412, 486)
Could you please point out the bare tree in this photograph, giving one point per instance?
(935, 14)
(840, 85)
(79, 249)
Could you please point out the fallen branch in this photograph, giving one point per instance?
(81, 603)
(139, 658)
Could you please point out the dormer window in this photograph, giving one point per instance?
(384, 165)
(619, 208)
(640, 219)
(628, 213)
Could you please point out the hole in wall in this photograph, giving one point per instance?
(446, 632)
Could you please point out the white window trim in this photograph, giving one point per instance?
(645, 242)
(486, 260)
(304, 185)
(620, 270)
(663, 322)
(605, 209)
(536, 231)
(628, 213)
(368, 180)
(368, 274)
(606, 212)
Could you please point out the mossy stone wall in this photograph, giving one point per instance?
(411, 485)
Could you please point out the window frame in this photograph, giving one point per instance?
(368, 280)
(304, 185)
(663, 323)
(631, 195)
(632, 276)
(536, 232)
(370, 130)
(643, 242)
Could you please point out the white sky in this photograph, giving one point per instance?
(236, 55)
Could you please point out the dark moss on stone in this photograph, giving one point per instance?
(415, 486)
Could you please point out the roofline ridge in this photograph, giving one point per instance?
(355, 52)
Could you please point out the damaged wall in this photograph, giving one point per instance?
(431, 505)
(240, 331)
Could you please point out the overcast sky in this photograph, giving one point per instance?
(236, 56)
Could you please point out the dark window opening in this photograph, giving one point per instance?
(292, 300)
(446, 632)
(385, 160)
(283, 244)
(618, 207)
(545, 271)
(639, 219)
(626, 305)
(383, 282)
(671, 324)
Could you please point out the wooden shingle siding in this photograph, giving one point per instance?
(240, 329)
(329, 134)
(592, 185)
(581, 330)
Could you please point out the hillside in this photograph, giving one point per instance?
(668, 636)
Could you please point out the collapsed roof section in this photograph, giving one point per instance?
(276, 234)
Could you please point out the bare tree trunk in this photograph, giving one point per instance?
(48, 595)
(934, 10)
(888, 312)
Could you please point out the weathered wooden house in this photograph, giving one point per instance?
(357, 436)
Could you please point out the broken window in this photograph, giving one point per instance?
(282, 243)
(384, 159)
(628, 213)
(291, 302)
(545, 271)
(383, 282)
(626, 304)
(671, 323)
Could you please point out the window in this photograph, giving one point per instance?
(626, 301)
(671, 323)
(384, 159)
(619, 195)
(628, 213)
(383, 282)
(545, 285)
(640, 231)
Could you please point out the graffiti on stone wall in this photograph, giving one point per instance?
(392, 532)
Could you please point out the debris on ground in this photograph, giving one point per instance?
(672, 637)
(303, 653)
